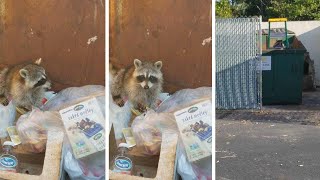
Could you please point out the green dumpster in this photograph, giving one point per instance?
(282, 76)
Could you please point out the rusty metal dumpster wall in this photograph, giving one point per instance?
(68, 35)
(177, 32)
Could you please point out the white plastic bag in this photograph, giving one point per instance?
(184, 168)
(89, 168)
(192, 171)
(119, 117)
(33, 127)
(7, 117)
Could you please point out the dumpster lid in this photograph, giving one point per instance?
(276, 30)
(284, 51)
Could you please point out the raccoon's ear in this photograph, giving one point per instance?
(38, 61)
(137, 63)
(23, 73)
(158, 64)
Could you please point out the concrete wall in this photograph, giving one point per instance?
(308, 32)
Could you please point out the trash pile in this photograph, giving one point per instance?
(79, 113)
(187, 113)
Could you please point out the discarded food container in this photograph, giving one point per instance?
(84, 124)
(12, 131)
(195, 128)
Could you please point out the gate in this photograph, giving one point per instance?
(238, 52)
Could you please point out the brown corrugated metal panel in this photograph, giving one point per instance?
(57, 31)
(171, 31)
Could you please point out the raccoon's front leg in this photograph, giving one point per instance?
(152, 102)
(118, 100)
(139, 101)
(117, 88)
(142, 108)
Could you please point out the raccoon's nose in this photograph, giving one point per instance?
(146, 87)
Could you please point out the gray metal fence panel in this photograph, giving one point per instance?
(238, 51)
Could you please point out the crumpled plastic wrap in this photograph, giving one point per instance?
(147, 129)
(33, 127)
(7, 116)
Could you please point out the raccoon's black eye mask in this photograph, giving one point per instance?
(153, 79)
(140, 78)
(40, 82)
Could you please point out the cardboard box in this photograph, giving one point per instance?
(84, 124)
(195, 128)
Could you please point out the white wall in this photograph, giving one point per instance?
(308, 32)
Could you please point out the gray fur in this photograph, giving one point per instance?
(125, 83)
(19, 84)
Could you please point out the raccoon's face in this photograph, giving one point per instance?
(147, 74)
(35, 76)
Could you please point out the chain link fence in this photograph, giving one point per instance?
(238, 52)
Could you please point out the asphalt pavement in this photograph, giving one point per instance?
(267, 150)
(279, 142)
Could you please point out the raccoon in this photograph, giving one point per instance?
(140, 83)
(24, 84)
(112, 72)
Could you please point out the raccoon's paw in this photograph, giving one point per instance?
(141, 108)
(119, 102)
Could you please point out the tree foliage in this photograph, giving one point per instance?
(291, 9)
(295, 9)
(223, 9)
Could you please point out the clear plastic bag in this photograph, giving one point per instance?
(147, 129)
(7, 116)
(184, 168)
(192, 171)
(72, 95)
(184, 98)
(90, 168)
(33, 127)
(93, 166)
